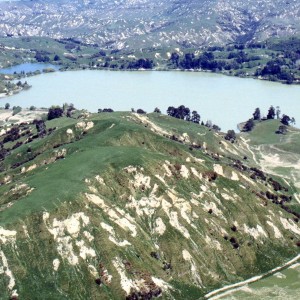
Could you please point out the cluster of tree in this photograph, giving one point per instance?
(271, 114)
(100, 110)
(8, 86)
(101, 53)
(24, 85)
(55, 112)
(291, 44)
(277, 69)
(183, 113)
(42, 56)
(142, 63)
(286, 120)
(68, 109)
(12, 135)
(207, 61)
(242, 57)
(139, 111)
(15, 109)
(209, 124)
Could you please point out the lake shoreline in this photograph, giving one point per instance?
(178, 70)
(34, 74)
(65, 68)
(224, 100)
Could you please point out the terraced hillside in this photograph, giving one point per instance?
(129, 206)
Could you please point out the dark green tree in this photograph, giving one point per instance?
(285, 120)
(54, 112)
(140, 111)
(183, 113)
(109, 110)
(249, 125)
(170, 111)
(56, 58)
(175, 59)
(216, 127)
(195, 117)
(230, 135)
(256, 114)
(40, 127)
(271, 113)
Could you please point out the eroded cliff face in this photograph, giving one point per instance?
(144, 24)
(121, 205)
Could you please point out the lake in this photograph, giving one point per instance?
(224, 100)
(28, 67)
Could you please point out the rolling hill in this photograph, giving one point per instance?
(123, 205)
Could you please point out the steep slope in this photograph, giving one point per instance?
(147, 23)
(125, 205)
(277, 154)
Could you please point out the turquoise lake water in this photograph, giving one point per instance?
(224, 100)
(27, 67)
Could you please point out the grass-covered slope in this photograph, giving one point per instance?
(124, 205)
(277, 153)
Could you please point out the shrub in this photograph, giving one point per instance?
(16, 110)
(282, 129)
(140, 111)
(54, 112)
(230, 135)
(249, 125)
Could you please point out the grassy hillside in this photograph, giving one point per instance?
(121, 205)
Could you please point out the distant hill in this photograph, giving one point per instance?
(138, 24)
